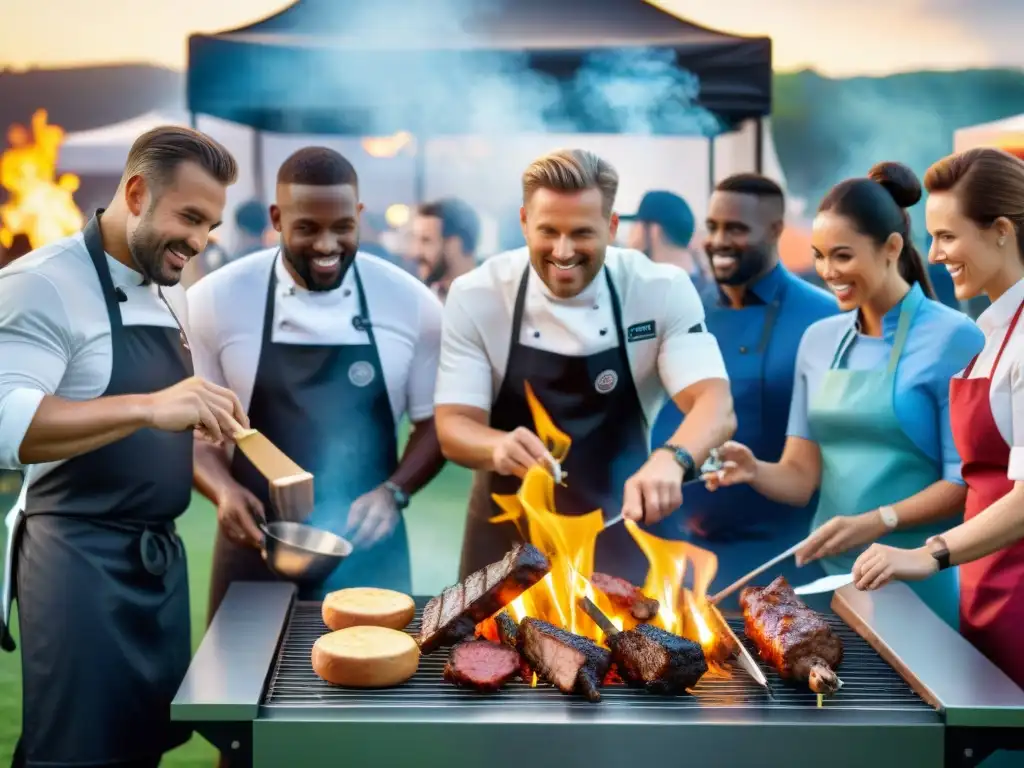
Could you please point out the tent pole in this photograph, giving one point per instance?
(257, 163)
(759, 145)
(711, 165)
(193, 121)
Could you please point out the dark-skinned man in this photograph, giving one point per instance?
(98, 404)
(328, 350)
(759, 317)
(601, 334)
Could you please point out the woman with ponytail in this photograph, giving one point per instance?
(869, 421)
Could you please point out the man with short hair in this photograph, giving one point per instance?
(328, 349)
(601, 334)
(98, 404)
(759, 319)
(445, 238)
(662, 228)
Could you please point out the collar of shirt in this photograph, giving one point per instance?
(890, 320)
(287, 286)
(122, 274)
(763, 291)
(592, 294)
(1000, 312)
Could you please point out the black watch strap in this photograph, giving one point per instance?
(684, 459)
(939, 550)
(401, 497)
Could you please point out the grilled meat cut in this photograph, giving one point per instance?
(791, 637)
(454, 614)
(625, 596)
(659, 661)
(569, 662)
(481, 664)
(508, 634)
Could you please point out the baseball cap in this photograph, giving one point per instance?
(669, 211)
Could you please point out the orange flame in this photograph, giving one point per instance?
(569, 542)
(40, 205)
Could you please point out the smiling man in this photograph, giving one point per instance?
(328, 350)
(601, 334)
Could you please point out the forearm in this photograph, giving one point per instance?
(939, 501)
(467, 442)
(994, 528)
(211, 473)
(421, 460)
(62, 429)
(785, 482)
(708, 423)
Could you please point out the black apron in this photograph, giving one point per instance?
(101, 577)
(594, 400)
(327, 407)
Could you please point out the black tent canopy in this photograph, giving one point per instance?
(375, 67)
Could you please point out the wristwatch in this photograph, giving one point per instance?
(938, 549)
(683, 458)
(401, 497)
(889, 516)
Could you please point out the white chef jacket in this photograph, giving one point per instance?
(1006, 395)
(664, 360)
(227, 309)
(55, 333)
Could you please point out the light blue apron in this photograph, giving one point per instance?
(868, 461)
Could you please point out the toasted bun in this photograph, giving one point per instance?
(366, 657)
(367, 606)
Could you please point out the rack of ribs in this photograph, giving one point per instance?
(791, 637)
(454, 614)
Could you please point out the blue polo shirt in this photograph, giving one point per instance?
(759, 343)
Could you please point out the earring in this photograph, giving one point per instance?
(1001, 241)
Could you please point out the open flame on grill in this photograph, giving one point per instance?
(569, 542)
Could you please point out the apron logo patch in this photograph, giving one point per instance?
(361, 373)
(640, 331)
(606, 381)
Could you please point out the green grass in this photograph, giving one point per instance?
(435, 520)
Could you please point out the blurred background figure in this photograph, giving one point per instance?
(372, 226)
(445, 235)
(251, 223)
(662, 228)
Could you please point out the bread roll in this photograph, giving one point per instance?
(366, 657)
(367, 606)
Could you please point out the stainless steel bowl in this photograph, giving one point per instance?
(302, 553)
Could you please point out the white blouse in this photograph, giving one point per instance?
(1006, 395)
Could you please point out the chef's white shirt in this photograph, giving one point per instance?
(55, 333)
(1006, 395)
(227, 309)
(478, 327)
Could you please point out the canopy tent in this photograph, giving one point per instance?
(1007, 134)
(104, 150)
(376, 67)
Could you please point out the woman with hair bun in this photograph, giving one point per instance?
(975, 213)
(868, 425)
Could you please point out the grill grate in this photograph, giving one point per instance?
(869, 683)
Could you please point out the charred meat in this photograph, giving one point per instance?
(625, 596)
(569, 662)
(508, 634)
(454, 614)
(481, 664)
(657, 660)
(791, 637)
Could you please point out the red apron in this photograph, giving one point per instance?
(992, 588)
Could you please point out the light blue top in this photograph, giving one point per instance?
(941, 342)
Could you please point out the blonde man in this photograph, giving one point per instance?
(602, 334)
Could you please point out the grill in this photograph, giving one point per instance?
(915, 695)
(868, 682)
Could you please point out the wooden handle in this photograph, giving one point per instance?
(755, 573)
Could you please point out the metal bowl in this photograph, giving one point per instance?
(302, 553)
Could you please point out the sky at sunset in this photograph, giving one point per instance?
(837, 38)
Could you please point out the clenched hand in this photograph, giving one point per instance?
(739, 466)
(655, 491)
(372, 517)
(212, 411)
(519, 450)
(839, 535)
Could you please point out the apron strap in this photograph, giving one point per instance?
(844, 345)
(617, 315)
(517, 313)
(268, 312)
(910, 306)
(362, 320)
(1006, 338)
(94, 245)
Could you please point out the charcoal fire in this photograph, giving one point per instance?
(571, 663)
(791, 637)
(481, 665)
(454, 614)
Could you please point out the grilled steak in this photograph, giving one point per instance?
(508, 634)
(659, 661)
(481, 664)
(625, 596)
(569, 662)
(791, 637)
(454, 614)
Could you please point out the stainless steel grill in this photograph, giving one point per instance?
(868, 682)
(915, 695)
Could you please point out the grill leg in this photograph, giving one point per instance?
(234, 740)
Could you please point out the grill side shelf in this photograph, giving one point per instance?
(225, 681)
(869, 683)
